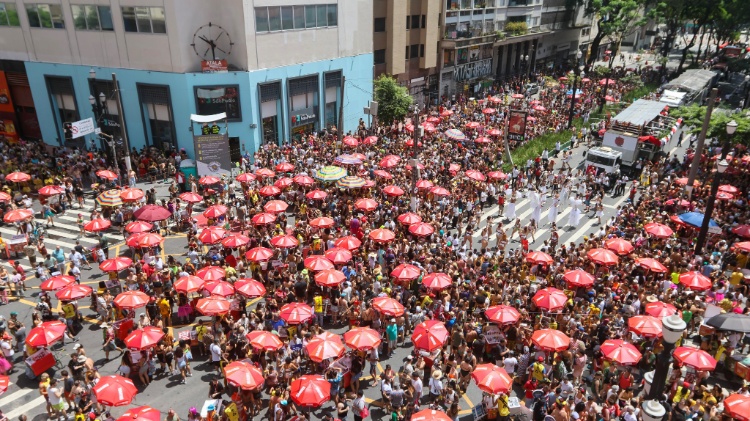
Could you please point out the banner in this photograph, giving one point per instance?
(82, 127)
(517, 125)
(7, 119)
(6, 103)
(212, 155)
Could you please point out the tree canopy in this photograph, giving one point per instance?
(615, 19)
(393, 99)
(694, 114)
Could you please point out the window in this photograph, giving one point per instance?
(286, 18)
(261, 19)
(92, 18)
(406, 56)
(147, 20)
(421, 50)
(415, 21)
(333, 15)
(299, 17)
(156, 110)
(322, 15)
(408, 22)
(9, 15)
(379, 25)
(45, 16)
(424, 21)
(414, 51)
(274, 18)
(310, 17)
(379, 56)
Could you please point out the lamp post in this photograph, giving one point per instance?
(672, 328)
(653, 411)
(721, 167)
(577, 72)
(746, 97)
(525, 64)
(123, 129)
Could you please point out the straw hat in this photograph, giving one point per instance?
(437, 374)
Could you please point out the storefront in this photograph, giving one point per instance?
(304, 103)
(17, 110)
(304, 122)
(332, 94)
(270, 112)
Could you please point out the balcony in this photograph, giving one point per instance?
(461, 39)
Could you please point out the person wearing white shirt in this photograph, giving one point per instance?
(215, 355)
(416, 383)
(510, 362)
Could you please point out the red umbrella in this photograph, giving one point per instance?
(684, 180)
(728, 188)
(603, 257)
(188, 284)
(250, 288)
(421, 229)
(245, 177)
(318, 263)
(424, 184)
(362, 338)
(406, 272)
(659, 309)
(550, 340)
(220, 288)
(115, 264)
(579, 278)
(152, 213)
(147, 239)
(501, 314)
(539, 257)
(244, 375)
(437, 281)
(265, 173)
(383, 174)
(682, 202)
(695, 281)
(191, 197)
(268, 191)
(744, 246)
(264, 218)
(316, 195)
(310, 390)
(350, 141)
(115, 391)
(492, 379)
(141, 413)
(208, 180)
(694, 357)
(388, 306)
(74, 292)
(338, 256)
(367, 205)
(284, 167)
(349, 242)
(497, 175)
(650, 264)
(329, 278)
(646, 326)
(130, 300)
(722, 195)
(144, 338)
(392, 190)
(737, 406)
(106, 174)
(389, 161)
(324, 346)
(17, 215)
(475, 175)
(550, 299)
(429, 335)
(18, 177)
(440, 191)
(284, 241)
(322, 222)
(620, 352)
(473, 125)
(258, 254)
(98, 224)
(4, 197)
(619, 245)
(211, 235)
(213, 306)
(296, 313)
(430, 414)
(136, 227)
(370, 140)
(215, 211)
(46, 334)
(382, 235)
(131, 195)
(261, 339)
(51, 190)
(283, 182)
(56, 283)
(409, 218)
(211, 273)
(235, 240)
(658, 230)
(275, 206)
(742, 230)
(303, 180)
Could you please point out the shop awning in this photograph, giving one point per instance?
(207, 118)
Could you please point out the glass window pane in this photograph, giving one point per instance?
(128, 19)
(261, 19)
(105, 18)
(287, 18)
(310, 16)
(158, 20)
(333, 15)
(143, 19)
(45, 17)
(79, 16)
(3, 15)
(274, 18)
(12, 12)
(33, 16)
(322, 15)
(299, 17)
(92, 18)
(56, 16)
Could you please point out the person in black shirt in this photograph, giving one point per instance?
(215, 389)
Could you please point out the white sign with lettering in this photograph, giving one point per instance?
(473, 70)
(82, 127)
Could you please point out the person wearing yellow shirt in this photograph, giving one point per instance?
(503, 412)
(742, 260)
(165, 309)
(426, 301)
(675, 278)
(736, 277)
(319, 309)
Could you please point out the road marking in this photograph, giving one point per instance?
(25, 408)
(15, 395)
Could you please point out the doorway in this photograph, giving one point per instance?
(234, 150)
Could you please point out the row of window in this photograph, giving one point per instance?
(412, 51)
(149, 20)
(412, 22)
(287, 18)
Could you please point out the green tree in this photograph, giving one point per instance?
(694, 114)
(614, 19)
(393, 99)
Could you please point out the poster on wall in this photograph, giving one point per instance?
(211, 100)
(517, 125)
(212, 155)
(7, 112)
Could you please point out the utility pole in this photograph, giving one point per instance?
(123, 131)
(342, 133)
(415, 175)
(701, 140)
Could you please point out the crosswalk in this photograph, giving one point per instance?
(24, 402)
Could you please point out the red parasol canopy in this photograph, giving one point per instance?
(329, 278)
(46, 334)
(389, 161)
(743, 246)
(284, 241)
(492, 379)
(215, 211)
(261, 339)
(235, 240)
(550, 299)
(406, 272)
(579, 278)
(603, 257)
(188, 284)
(131, 300)
(258, 254)
(220, 288)
(503, 315)
(283, 182)
(137, 227)
(650, 264)
(250, 288)
(620, 352)
(742, 230)
(98, 224)
(338, 256)
(303, 180)
(316, 195)
(208, 180)
(211, 235)
(275, 206)
(324, 346)
(245, 177)
(17, 215)
(268, 191)
(646, 326)
(115, 391)
(52, 190)
(144, 338)
(475, 175)
(619, 245)
(694, 357)
(539, 257)
(349, 243)
(296, 313)
(317, 263)
(105, 174)
(263, 218)
(382, 235)
(737, 406)
(115, 264)
(131, 195)
(388, 306)
(191, 197)
(421, 229)
(350, 141)
(425, 184)
(152, 213)
(696, 281)
(285, 167)
(19, 177)
(497, 175)
(74, 292)
(213, 306)
(392, 190)
(362, 338)
(244, 375)
(659, 309)
(322, 222)
(141, 413)
(211, 273)
(437, 281)
(56, 283)
(310, 390)
(430, 414)
(550, 340)
(265, 173)
(440, 191)
(658, 230)
(383, 174)
(367, 205)
(429, 335)
(409, 218)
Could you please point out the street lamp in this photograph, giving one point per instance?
(746, 98)
(577, 71)
(648, 380)
(672, 329)
(721, 167)
(653, 411)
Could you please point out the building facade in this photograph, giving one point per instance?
(277, 68)
(570, 30)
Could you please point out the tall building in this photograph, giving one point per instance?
(569, 29)
(274, 66)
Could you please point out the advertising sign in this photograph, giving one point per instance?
(6, 103)
(7, 121)
(82, 127)
(219, 99)
(214, 66)
(212, 155)
(517, 125)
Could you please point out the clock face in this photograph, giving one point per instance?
(212, 42)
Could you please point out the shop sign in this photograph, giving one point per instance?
(82, 127)
(214, 66)
(473, 70)
(305, 116)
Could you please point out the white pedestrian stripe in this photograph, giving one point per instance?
(14, 404)
(6, 399)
